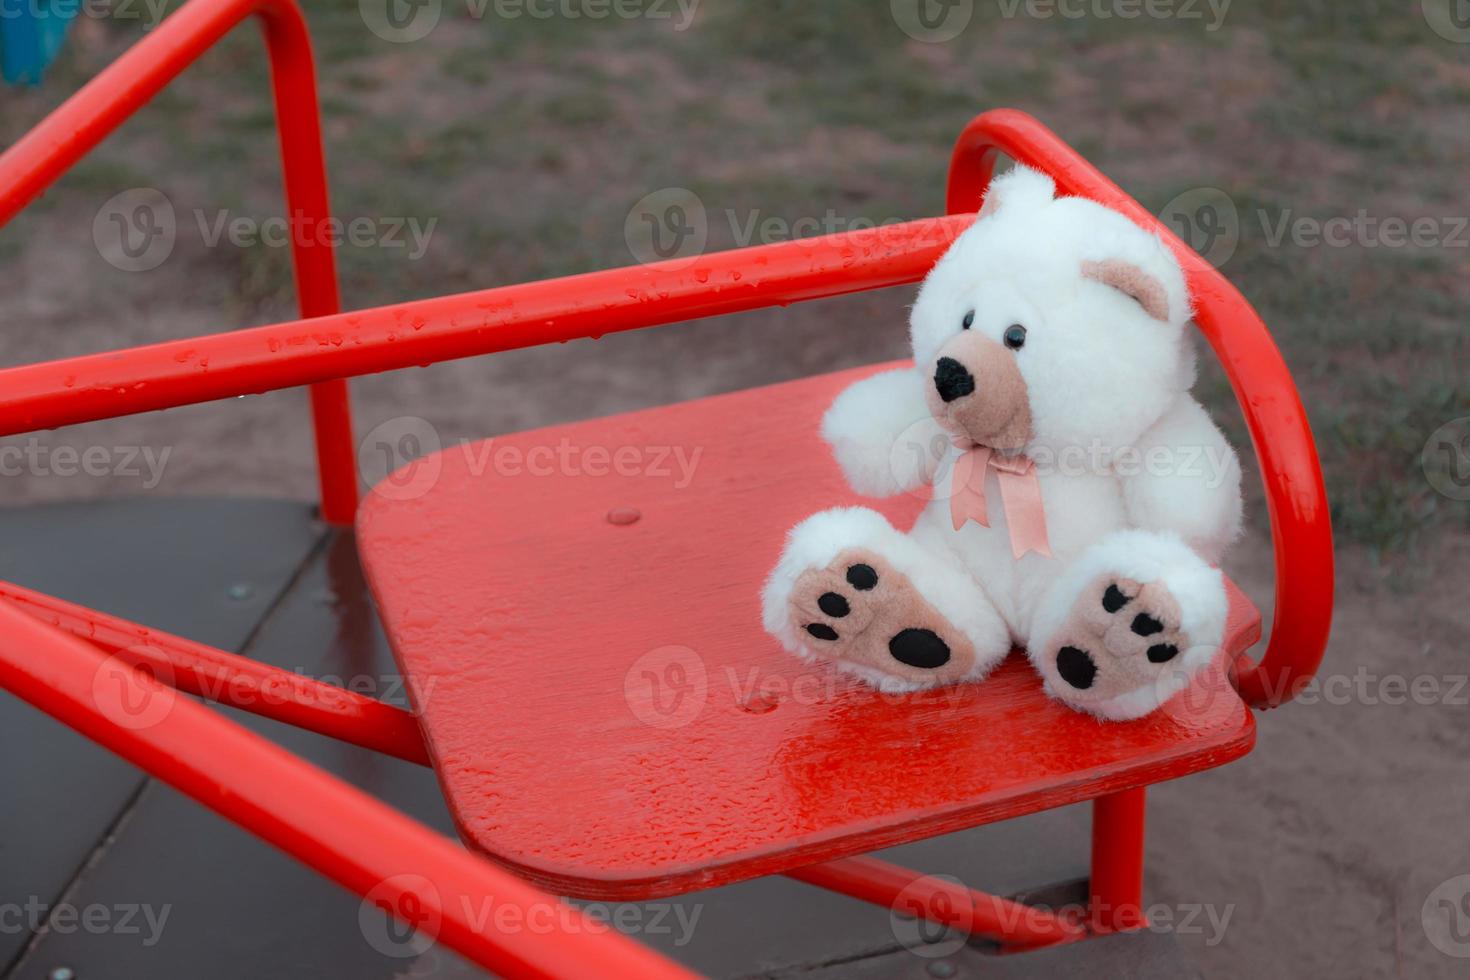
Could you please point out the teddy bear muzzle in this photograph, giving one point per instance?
(978, 394)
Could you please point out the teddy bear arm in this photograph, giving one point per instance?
(1187, 481)
(883, 436)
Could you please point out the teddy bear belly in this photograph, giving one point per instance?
(1079, 511)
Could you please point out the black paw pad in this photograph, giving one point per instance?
(919, 648)
(1146, 625)
(1162, 653)
(1114, 599)
(1076, 667)
(833, 605)
(822, 631)
(862, 577)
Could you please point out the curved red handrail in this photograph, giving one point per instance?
(1296, 497)
(38, 158)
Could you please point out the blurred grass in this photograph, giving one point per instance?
(530, 138)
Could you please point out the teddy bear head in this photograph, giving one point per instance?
(1051, 322)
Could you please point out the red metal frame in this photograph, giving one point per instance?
(227, 678)
(347, 835)
(355, 839)
(1116, 883)
(940, 901)
(49, 150)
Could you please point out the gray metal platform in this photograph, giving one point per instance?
(80, 830)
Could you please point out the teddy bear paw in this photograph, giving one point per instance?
(1123, 651)
(863, 613)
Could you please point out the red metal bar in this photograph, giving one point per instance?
(1296, 498)
(283, 355)
(240, 682)
(939, 901)
(37, 159)
(328, 825)
(1116, 889)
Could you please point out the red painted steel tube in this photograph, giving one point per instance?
(345, 834)
(1116, 889)
(1301, 527)
(939, 901)
(37, 159)
(298, 352)
(239, 682)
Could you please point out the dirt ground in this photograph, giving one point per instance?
(521, 144)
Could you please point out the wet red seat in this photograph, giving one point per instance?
(577, 612)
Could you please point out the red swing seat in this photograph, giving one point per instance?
(608, 718)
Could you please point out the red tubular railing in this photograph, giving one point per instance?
(37, 159)
(347, 835)
(946, 903)
(224, 365)
(230, 679)
(1301, 527)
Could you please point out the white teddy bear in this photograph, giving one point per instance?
(1081, 495)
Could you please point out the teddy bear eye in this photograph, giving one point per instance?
(1015, 336)
(968, 321)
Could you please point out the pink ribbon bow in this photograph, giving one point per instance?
(1020, 497)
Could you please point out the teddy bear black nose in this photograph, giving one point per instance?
(951, 379)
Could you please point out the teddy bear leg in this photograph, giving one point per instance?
(852, 590)
(1127, 626)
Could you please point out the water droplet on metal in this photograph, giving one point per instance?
(760, 703)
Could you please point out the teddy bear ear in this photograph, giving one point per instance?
(1133, 281)
(1018, 188)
